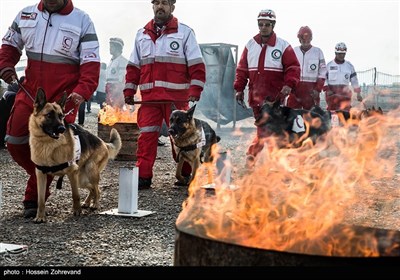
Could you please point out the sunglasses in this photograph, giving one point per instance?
(260, 24)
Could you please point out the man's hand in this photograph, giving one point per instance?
(193, 99)
(240, 98)
(8, 75)
(286, 90)
(130, 100)
(76, 98)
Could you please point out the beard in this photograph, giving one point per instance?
(161, 17)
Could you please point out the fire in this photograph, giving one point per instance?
(295, 199)
(109, 115)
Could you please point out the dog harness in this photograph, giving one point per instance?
(77, 156)
(193, 146)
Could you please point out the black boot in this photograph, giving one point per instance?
(30, 209)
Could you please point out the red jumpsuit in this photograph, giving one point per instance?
(267, 69)
(167, 66)
(63, 56)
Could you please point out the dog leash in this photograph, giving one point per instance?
(24, 89)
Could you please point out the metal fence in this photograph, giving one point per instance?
(380, 89)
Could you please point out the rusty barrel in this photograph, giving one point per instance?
(129, 134)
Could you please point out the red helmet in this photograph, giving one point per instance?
(304, 32)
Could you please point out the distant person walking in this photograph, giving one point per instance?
(116, 70)
(341, 74)
(313, 71)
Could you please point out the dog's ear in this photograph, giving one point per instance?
(40, 100)
(190, 112)
(63, 100)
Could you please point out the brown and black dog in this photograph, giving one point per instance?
(60, 149)
(193, 139)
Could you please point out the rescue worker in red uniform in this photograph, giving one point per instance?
(270, 67)
(313, 70)
(63, 56)
(166, 64)
(341, 81)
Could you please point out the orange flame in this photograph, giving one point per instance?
(109, 115)
(295, 198)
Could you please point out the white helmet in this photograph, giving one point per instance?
(267, 14)
(340, 48)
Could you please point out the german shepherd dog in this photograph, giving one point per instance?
(292, 126)
(60, 149)
(193, 139)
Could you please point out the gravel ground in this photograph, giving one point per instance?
(94, 240)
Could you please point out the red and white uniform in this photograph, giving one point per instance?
(337, 85)
(63, 56)
(116, 71)
(312, 77)
(167, 66)
(266, 68)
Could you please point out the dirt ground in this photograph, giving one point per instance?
(95, 239)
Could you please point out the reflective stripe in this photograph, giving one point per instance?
(130, 86)
(197, 83)
(195, 61)
(150, 129)
(17, 140)
(171, 59)
(146, 86)
(171, 85)
(308, 79)
(51, 58)
(145, 61)
(89, 38)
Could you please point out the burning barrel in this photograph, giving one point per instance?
(192, 248)
(124, 120)
(129, 133)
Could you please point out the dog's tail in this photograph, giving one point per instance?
(115, 144)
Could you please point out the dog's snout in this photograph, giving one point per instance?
(61, 129)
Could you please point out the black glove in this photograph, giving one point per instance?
(193, 99)
(129, 100)
(8, 75)
(240, 98)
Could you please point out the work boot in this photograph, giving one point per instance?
(30, 209)
(144, 183)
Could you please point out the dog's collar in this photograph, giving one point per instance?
(195, 146)
(52, 169)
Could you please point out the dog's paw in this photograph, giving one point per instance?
(184, 182)
(94, 206)
(78, 211)
(39, 220)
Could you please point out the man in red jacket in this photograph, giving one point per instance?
(167, 66)
(270, 67)
(63, 56)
